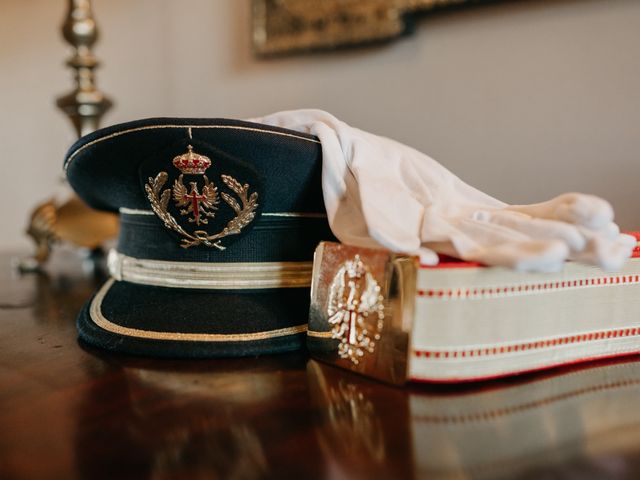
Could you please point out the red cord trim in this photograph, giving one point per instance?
(478, 292)
(457, 380)
(521, 347)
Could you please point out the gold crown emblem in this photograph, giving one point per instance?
(191, 163)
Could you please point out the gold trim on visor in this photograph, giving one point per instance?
(317, 334)
(231, 276)
(99, 319)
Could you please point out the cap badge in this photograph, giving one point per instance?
(198, 206)
(355, 309)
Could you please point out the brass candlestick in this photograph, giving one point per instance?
(85, 105)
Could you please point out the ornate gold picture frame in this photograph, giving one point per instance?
(285, 26)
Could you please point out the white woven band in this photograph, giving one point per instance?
(233, 276)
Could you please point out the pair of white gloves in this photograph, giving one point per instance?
(379, 192)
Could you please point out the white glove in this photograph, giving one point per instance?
(379, 192)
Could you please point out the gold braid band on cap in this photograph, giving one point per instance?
(231, 276)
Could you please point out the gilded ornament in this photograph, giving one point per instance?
(355, 310)
(199, 207)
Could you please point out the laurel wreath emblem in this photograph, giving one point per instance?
(245, 213)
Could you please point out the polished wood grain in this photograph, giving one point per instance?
(68, 411)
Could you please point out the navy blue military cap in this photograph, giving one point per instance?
(218, 223)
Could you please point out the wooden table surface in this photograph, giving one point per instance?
(69, 411)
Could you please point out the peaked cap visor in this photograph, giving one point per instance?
(153, 321)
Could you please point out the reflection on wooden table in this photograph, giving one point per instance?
(488, 431)
(67, 411)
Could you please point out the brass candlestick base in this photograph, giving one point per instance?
(73, 221)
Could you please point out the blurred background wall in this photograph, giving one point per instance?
(524, 100)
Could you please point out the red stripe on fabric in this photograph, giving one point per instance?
(519, 347)
(482, 378)
(458, 293)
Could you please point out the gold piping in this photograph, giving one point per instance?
(314, 333)
(151, 127)
(99, 319)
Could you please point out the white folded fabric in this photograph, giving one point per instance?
(379, 192)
